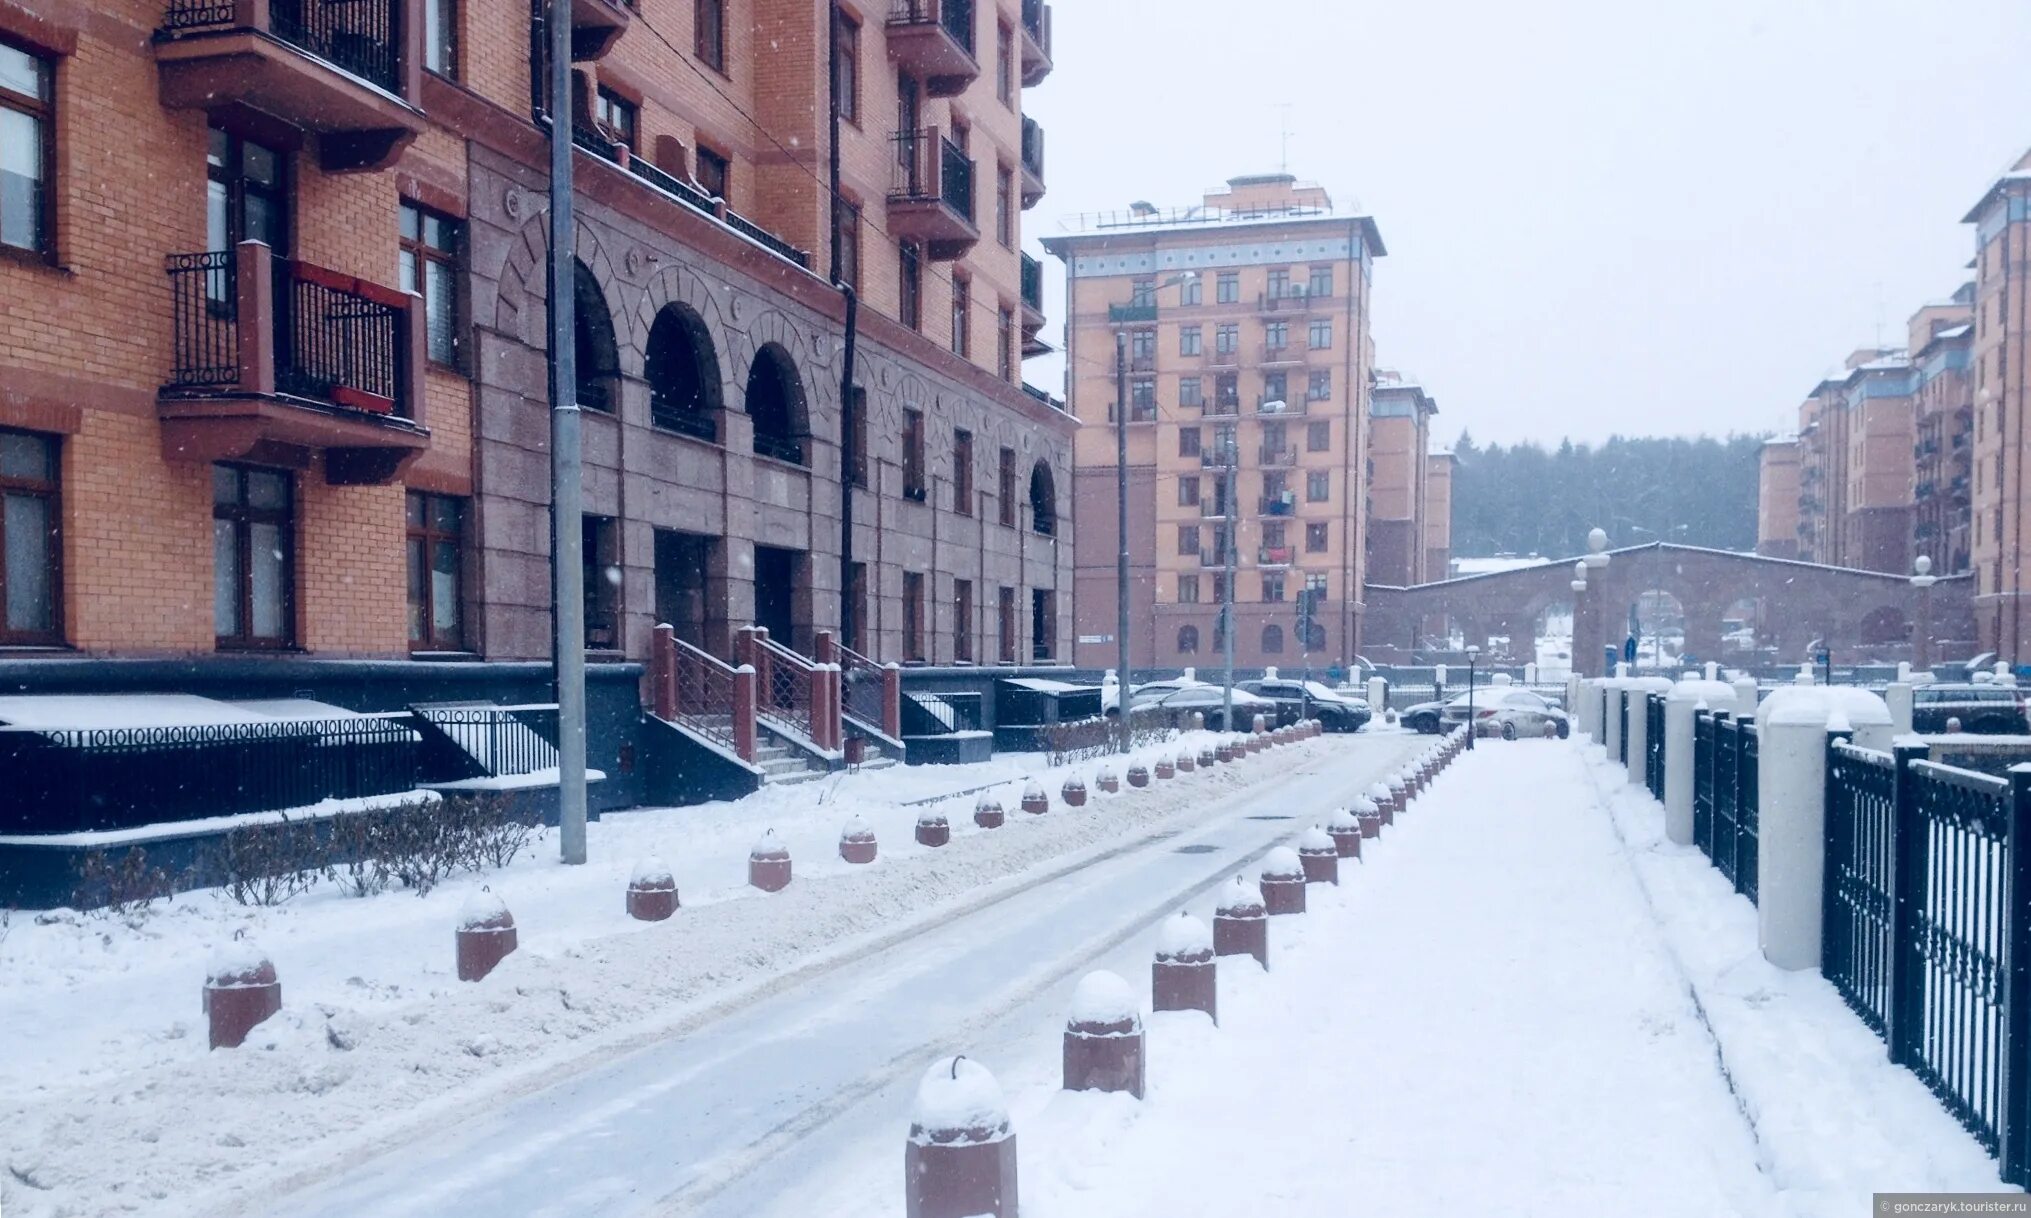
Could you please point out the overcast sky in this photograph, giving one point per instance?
(1602, 216)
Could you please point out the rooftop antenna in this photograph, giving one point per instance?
(1283, 127)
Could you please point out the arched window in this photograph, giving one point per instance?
(1272, 639)
(775, 401)
(1043, 499)
(599, 361)
(1188, 640)
(683, 373)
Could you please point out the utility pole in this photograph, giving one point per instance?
(567, 512)
(1121, 682)
(1232, 513)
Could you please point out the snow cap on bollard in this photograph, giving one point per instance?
(1187, 761)
(1260, 726)
(1369, 814)
(1035, 802)
(486, 934)
(1182, 976)
(960, 1160)
(1344, 827)
(652, 891)
(857, 844)
(1283, 882)
(1319, 854)
(1211, 754)
(1104, 1037)
(1385, 801)
(987, 813)
(1073, 792)
(769, 863)
(1138, 775)
(1164, 769)
(1106, 781)
(1241, 922)
(932, 828)
(241, 989)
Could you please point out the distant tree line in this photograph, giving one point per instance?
(1525, 499)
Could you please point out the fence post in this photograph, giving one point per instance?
(1678, 768)
(744, 712)
(1899, 697)
(1904, 1012)
(663, 672)
(2014, 1123)
(892, 700)
(1791, 859)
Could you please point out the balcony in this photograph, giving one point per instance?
(1219, 456)
(1036, 42)
(1033, 306)
(1212, 557)
(931, 196)
(589, 138)
(595, 26)
(933, 41)
(1032, 162)
(1211, 509)
(1273, 556)
(1135, 312)
(1276, 405)
(1223, 408)
(1281, 357)
(1219, 358)
(341, 72)
(1290, 300)
(276, 360)
(1277, 457)
(1283, 503)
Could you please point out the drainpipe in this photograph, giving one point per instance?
(846, 449)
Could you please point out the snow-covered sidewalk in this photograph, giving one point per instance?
(1505, 1010)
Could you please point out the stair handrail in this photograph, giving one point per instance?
(692, 687)
(859, 675)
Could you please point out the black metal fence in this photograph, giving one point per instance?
(1653, 744)
(1927, 929)
(1726, 824)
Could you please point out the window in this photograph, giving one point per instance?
(1227, 391)
(1188, 640)
(1319, 436)
(913, 455)
(1275, 438)
(1227, 290)
(1043, 501)
(1188, 540)
(1005, 343)
(856, 439)
(910, 294)
(619, 116)
(1004, 64)
(1272, 534)
(1142, 399)
(1006, 488)
(962, 620)
(246, 194)
(1315, 539)
(1318, 486)
(436, 547)
(1277, 335)
(1279, 283)
(1319, 385)
(431, 245)
(1142, 350)
(1188, 442)
(1043, 623)
(1322, 334)
(962, 472)
(1004, 207)
(715, 173)
(1188, 589)
(30, 577)
(600, 565)
(1005, 624)
(27, 152)
(913, 615)
(1192, 291)
(1188, 340)
(1227, 338)
(846, 65)
(1142, 293)
(440, 37)
(1276, 387)
(1272, 638)
(849, 244)
(1322, 281)
(1188, 492)
(962, 306)
(1219, 584)
(1191, 392)
(709, 22)
(1272, 588)
(598, 357)
(253, 557)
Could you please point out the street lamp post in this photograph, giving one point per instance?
(1922, 579)
(1473, 729)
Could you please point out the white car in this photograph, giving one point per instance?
(1516, 713)
(1210, 701)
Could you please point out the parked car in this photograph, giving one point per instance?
(1210, 701)
(1146, 693)
(1511, 712)
(1988, 710)
(1336, 711)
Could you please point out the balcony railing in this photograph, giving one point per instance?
(1142, 362)
(1219, 456)
(1032, 161)
(359, 36)
(596, 142)
(1223, 408)
(1274, 354)
(931, 193)
(1279, 404)
(1273, 556)
(1283, 504)
(1277, 456)
(1135, 311)
(1036, 42)
(1033, 289)
(933, 40)
(1212, 557)
(1293, 298)
(1212, 508)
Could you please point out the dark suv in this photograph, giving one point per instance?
(1988, 710)
(1336, 712)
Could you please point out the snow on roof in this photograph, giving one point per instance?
(123, 710)
(1045, 685)
(294, 708)
(1497, 563)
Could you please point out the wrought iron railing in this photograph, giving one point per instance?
(359, 36)
(783, 681)
(705, 694)
(1033, 284)
(338, 339)
(766, 239)
(1857, 927)
(204, 319)
(499, 739)
(861, 688)
(75, 780)
(1725, 813)
(1033, 147)
(1653, 745)
(955, 17)
(929, 165)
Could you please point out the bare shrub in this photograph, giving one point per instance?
(120, 883)
(268, 863)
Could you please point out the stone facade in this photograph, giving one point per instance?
(1777, 499)
(1399, 440)
(2001, 507)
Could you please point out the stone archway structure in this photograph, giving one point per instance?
(1801, 602)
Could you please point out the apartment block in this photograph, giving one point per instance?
(1398, 470)
(1243, 322)
(1997, 358)
(1777, 492)
(273, 308)
(1855, 465)
(1438, 536)
(1942, 338)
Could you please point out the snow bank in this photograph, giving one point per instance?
(1104, 998)
(958, 1103)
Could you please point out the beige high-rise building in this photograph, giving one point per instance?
(1399, 439)
(1245, 321)
(2002, 393)
(1438, 515)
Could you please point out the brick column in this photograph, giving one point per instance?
(744, 712)
(892, 700)
(663, 672)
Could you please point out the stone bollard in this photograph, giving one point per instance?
(1320, 856)
(1283, 882)
(1105, 1044)
(1197, 721)
(1164, 770)
(1138, 776)
(486, 934)
(1241, 923)
(933, 829)
(960, 1161)
(1260, 727)
(769, 864)
(1380, 793)
(857, 843)
(1073, 792)
(241, 990)
(652, 891)
(1257, 741)
(1035, 802)
(1953, 725)
(987, 812)
(1369, 815)
(1399, 793)
(1186, 761)
(1182, 976)
(1222, 752)
(1344, 827)
(1551, 730)
(1105, 781)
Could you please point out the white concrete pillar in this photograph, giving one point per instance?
(1904, 672)
(1378, 697)
(1804, 676)
(1530, 674)
(1680, 705)
(1746, 695)
(1791, 812)
(1611, 715)
(1639, 732)
(1899, 699)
